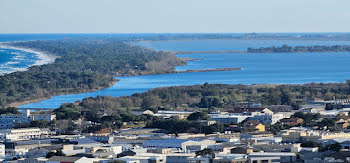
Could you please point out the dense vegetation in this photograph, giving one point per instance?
(212, 96)
(300, 49)
(9, 110)
(112, 111)
(81, 65)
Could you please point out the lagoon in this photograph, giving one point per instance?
(257, 68)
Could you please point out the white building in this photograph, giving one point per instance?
(23, 134)
(264, 116)
(8, 120)
(267, 118)
(2, 150)
(108, 151)
(283, 156)
(101, 138)
(184, 144)
(230, 118)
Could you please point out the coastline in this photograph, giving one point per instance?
(210, 70)
(18, 104)
(43, 58)
(207, 52)
(47, 58)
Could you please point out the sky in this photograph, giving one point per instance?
(174, 16)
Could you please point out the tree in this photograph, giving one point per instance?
(151, 102)
(286, 98)
(307, 117)
(334, 147)
(327, 122)
(205, 152)
(126, 153)
(39, 123)
(311, 144)
(217, 127)
(329, 106)
(341, 115)
(9, 110)
(117, 161)
(198, 116)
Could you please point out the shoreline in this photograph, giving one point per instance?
(18, 104)
(43, 58)
(207, 52)
(210, 70)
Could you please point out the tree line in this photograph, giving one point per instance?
(300, 49)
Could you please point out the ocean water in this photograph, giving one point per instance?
(257, 68)
(15, 60)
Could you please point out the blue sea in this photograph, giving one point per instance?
(257, 68)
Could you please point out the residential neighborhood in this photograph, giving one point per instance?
(248, 135)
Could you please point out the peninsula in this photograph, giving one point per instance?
(81, 65)
(300, 49)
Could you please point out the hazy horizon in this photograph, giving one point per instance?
(166, 16)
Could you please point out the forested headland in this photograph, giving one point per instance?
(81, 65)
(300, 49)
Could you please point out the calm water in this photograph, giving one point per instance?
(257, 68)
(236, 45)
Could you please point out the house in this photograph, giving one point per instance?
(342, 125)
(145, 158)
(345, 146)
(101, 138)
(42, 151)
(292, 121)
(313, 108)
(230, 118)
(264, 160)
(230, 158)
(178, 157)
(107, 151)
(2, 150)
(224, 148)
(176, 114)
(297, 148)
(266, 118)
(77, 141)
(64, 159)
(301, 134)
(207, 122)
(22, 147)
(184, 144)
(251, 109)
(252, 126)
(160, 150)
(141, 112)
(199, 159)
(284, 157)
